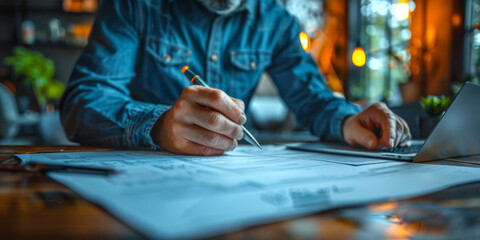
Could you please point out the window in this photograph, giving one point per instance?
(472, 44)
(383, 32)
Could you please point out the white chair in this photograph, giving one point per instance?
(10, 119)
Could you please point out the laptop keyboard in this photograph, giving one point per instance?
(403, 150)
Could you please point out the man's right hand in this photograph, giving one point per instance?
(203, 121)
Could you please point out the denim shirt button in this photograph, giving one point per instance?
(253, 65)
(167, 57)
(214, 58)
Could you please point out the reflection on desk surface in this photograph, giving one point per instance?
(449, 214)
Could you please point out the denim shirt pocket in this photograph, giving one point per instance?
(168, 53)
(248, 66)
(250, 60)
(161, 77)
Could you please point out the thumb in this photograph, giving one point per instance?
(364, 137)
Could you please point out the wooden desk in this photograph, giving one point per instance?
(33, 206)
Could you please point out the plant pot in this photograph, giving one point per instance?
(426, 125)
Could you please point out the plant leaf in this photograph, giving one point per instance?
(37, 71)
(55, 89)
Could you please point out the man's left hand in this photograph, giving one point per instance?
(376, 127)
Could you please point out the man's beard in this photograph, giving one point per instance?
(222, 7)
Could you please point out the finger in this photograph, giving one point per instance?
(239, 103)
(217, 100)
(399, 133)
(406, 143)
(192, 148)
(363, 137)
(402, 131)
(407, 136)
(387, 122)
(208, 138)
(214, 121)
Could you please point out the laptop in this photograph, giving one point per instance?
(457, 134)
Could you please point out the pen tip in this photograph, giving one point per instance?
(184, 69)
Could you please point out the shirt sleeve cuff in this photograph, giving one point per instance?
(140, 124)
(338, 119)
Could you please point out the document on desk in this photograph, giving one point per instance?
(174, 196)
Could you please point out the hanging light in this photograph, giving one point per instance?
(358, 57)
(305, 41)
(401, 10)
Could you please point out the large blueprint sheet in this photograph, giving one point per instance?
(174, 196)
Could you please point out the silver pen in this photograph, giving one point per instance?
(194, 78)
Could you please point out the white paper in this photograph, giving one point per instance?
(174, 196)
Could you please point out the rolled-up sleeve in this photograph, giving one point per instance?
(303, 87)
(97, 108)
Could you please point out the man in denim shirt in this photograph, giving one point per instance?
(127, 90)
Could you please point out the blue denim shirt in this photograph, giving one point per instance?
(129, 74)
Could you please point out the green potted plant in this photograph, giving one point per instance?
(37, 72)
(434, 107)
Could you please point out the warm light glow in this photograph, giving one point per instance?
(383, 207)
(402, 10)
(456, 20)
(305, 41)
(184, 69)
(358, 57)
(80, 5)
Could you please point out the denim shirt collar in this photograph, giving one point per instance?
(249, 5)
